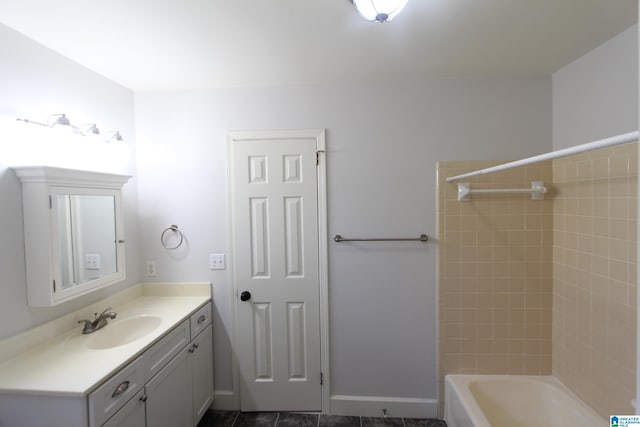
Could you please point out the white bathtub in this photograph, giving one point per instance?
(514, 400)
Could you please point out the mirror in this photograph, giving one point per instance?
(87, 238)
(73, 231)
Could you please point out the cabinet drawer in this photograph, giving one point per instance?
(130, 415)
(200, 320)
(164, 350)
(113, 394)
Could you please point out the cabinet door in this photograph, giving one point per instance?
(169, 402)
(202, 369)
(132, 414)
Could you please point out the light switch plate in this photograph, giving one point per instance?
(216, 261)
(92, 261)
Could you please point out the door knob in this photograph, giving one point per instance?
(245, 296)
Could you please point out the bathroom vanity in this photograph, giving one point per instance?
(150, 366)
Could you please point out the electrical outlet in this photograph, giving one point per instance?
(92, 261)
(216, 261)
(151, 269)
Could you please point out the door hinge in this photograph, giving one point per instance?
(50, 202)
(318, 156)
(321, 378)
(54, 286)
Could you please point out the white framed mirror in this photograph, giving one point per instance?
(74, 233)
(89, 247)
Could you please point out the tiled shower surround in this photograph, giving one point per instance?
(542, 287)
(495, 276)
(594, 276)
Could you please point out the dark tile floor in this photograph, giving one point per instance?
(286, 419)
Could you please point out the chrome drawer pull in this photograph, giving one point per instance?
(202, 319)
(120, 389)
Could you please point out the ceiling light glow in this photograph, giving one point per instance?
(379, 10)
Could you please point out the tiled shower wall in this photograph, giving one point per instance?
(541, 287)
(495, 275)
(594, 271)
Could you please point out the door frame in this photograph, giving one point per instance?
(323, 271)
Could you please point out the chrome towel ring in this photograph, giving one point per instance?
(163, 239)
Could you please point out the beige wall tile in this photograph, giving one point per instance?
(535, 287)
(590, 315)
(496, 253)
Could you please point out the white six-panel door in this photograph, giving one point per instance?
(274, 193)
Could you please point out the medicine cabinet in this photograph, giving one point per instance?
(73, 232)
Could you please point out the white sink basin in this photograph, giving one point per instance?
(121, 332)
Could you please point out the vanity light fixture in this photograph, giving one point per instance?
(62, 121)
(114, 137)
(89, 130)
(52, 121)
(379, 10)
(58, 120)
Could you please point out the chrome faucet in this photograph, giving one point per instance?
(99, 322)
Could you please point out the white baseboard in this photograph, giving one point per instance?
(364, 406)
(224, 400)
(372, 406)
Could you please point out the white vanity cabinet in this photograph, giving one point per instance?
(179, 379)
(168, 381)
(181, 393)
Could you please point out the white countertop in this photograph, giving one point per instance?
(65, 366)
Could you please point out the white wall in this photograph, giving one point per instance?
(383, 142)
(596, 96)
(34, 83)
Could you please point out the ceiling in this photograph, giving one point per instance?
(188, 44)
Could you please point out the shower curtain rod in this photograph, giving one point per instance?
(602, 143)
